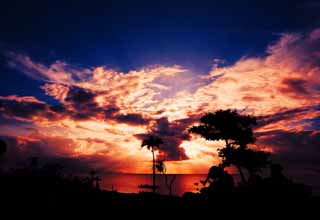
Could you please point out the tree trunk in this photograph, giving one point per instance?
(243, 179)
(167, 184)
(153, 173)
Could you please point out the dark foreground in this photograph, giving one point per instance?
(48, 192)
(114, 202)
(51, 196)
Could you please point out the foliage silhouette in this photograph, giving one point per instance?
(48, 187)
(45, 187)
(3, 147)
(236, 131)
(161, 168)
(34, 162)
(94, 179)
(221, 182)
(152, 143)
(3, 150)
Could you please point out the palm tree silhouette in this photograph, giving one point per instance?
(161, 167)
(152, 143)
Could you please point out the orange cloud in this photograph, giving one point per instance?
(105, 111)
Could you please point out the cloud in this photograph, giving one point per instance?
(288, 77)
(173, 135)
(295, 86)
(107, 112)
(20, 148)
(59, 71)
(132, 119)
(94, 140)
(298, 150)
(297, 119)
(78, 104)
(25, 108)
(79, 95)
(21, 99)
(56, 150)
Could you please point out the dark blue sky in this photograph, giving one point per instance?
(126, 35)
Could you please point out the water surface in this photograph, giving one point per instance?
(129, 182)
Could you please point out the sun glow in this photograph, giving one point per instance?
(104, 113)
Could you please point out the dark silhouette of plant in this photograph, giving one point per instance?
(94, 179)
(226, 125)
(236, 131)
(220, 181)
(276, 175)
(161, 168)
(53, 169)
(3, 147)
(34, 162)
(3, 150)
(152, 143)
(242, 157)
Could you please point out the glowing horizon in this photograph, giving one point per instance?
(101, 113)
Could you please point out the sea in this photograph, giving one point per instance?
(129, 183)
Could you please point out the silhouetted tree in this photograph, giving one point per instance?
(276, 174)
(34, 162)
(94, 179)
(242, 157)
(152, 143)
(161, 167)
(236, 131)
(3, 147)
(53, 169)
(3, 150)
(220, 181)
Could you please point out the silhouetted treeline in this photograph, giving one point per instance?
(236, 132)
(47, 187)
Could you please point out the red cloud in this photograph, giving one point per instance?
(281, 88)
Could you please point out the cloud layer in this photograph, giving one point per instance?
(105, 113)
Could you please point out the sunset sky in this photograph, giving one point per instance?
(82, 82)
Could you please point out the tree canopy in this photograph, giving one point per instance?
(236, 130)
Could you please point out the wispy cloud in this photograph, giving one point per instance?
(106, 112)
